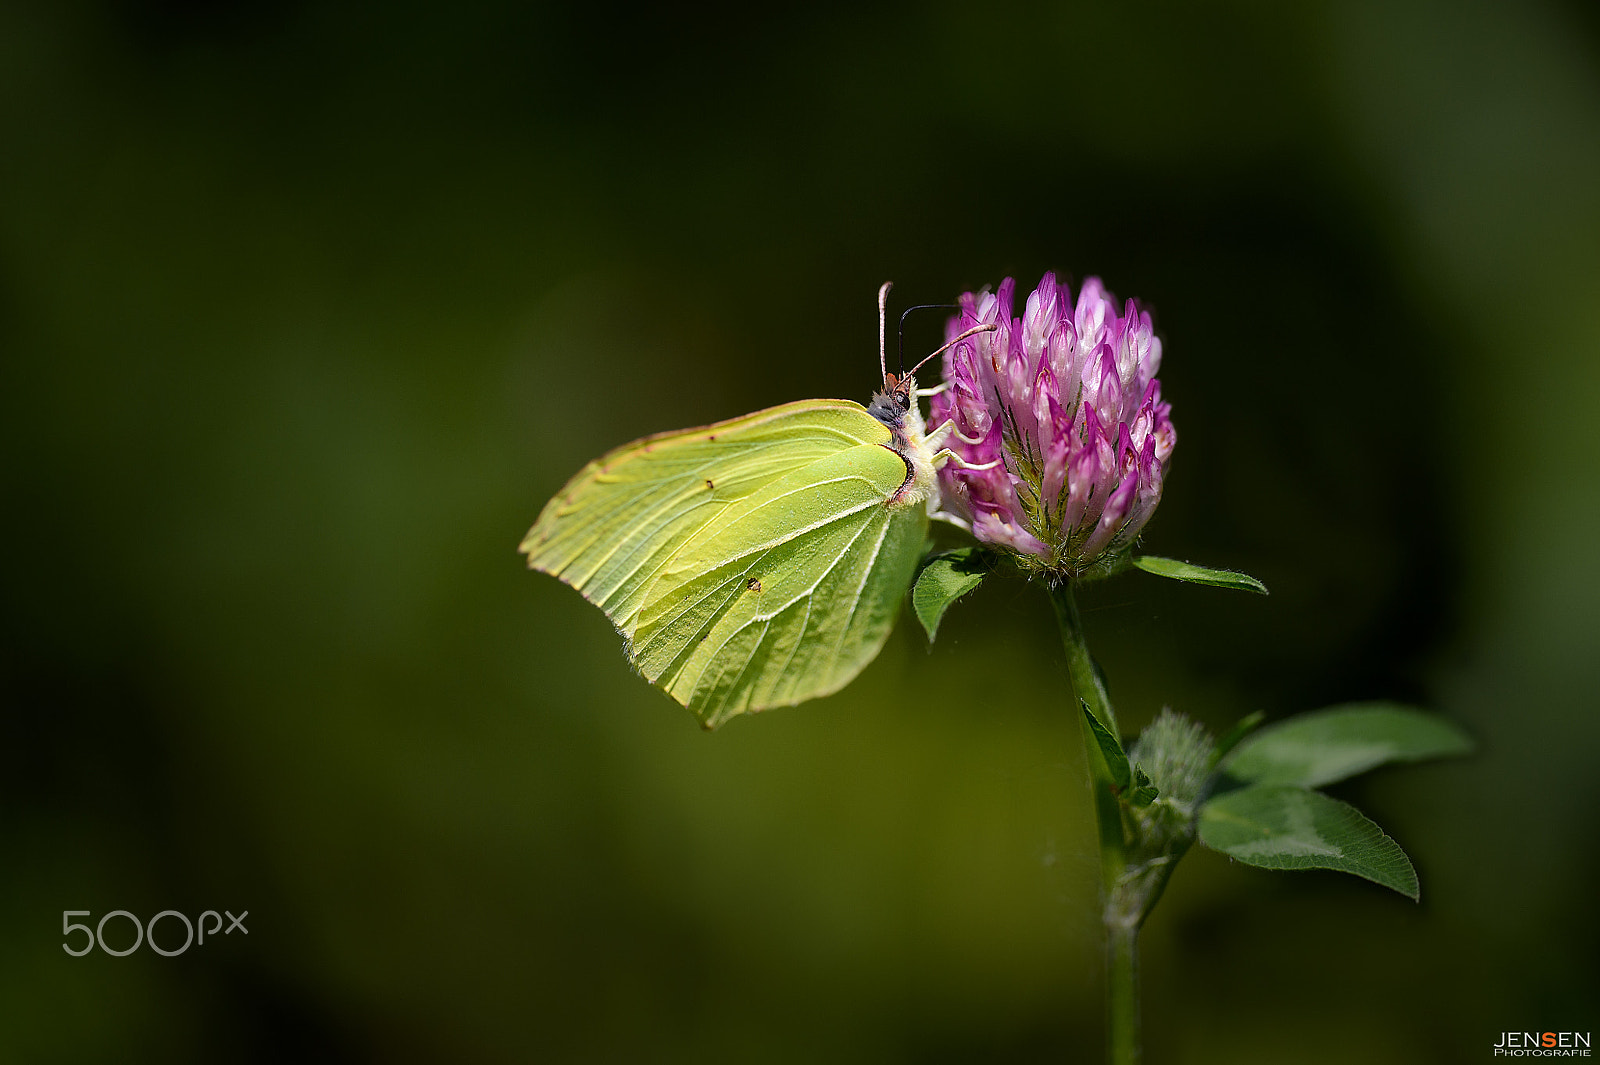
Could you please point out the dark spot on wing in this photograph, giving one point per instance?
(712, 437)
(709, 484)
(753, 585)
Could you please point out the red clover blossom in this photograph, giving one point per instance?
(1066, 399)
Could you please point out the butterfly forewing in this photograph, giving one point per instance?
(624, 516)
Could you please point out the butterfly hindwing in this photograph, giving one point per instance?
(786, 596)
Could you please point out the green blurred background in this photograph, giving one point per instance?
(306, 309)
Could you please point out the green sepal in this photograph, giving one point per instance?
(1144, 793)
(1188, 571)
(945, 578)
(1279, 826)
(1116, 758)
(1325, 746)
(1242, 728)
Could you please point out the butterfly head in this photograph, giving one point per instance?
(898, 396)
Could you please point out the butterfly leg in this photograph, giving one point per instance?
(940, 458)
(944, 432)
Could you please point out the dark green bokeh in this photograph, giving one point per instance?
(305, 310)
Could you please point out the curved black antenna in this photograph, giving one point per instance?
(906, 314)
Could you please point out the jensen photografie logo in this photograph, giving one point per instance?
(1542, 1045)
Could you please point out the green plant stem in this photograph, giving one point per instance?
(1122, 993)
(1122, 930)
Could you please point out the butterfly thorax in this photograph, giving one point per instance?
(896, 408)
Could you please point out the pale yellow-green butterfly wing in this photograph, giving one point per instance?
(753, 563)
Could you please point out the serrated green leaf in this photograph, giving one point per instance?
(944, 579)
(1278, 826)
(1329, 745)
(1116, 758)
(1188, 571)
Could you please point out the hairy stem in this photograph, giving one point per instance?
(1122, 933)
(1080, 664)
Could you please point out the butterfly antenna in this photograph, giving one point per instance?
(991, 327)
(907, 313)
(883, 322)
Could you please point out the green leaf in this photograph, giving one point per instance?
(1278, 826)
(1328, 745)
(944, 579)
(1116, 758)
(1188, 571)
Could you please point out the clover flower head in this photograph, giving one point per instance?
(1061, 412)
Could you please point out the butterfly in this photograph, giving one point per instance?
(759, 561)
